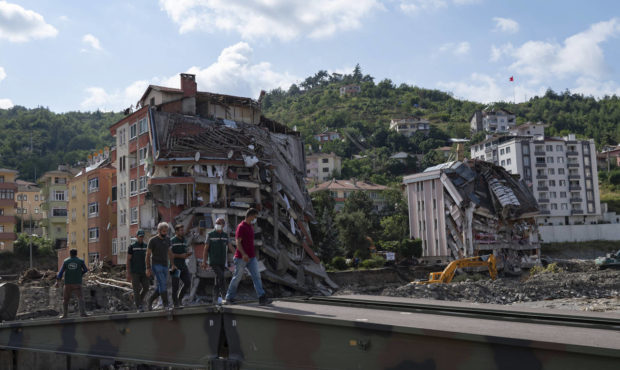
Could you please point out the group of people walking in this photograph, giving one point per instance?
(163, 255)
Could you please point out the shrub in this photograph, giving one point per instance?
(372, 263)
(551, 268)
(339, 263)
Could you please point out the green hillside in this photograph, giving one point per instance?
(316, 105)
(37, 140)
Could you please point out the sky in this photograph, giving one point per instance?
(86, 55)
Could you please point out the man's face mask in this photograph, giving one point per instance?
(219, 227)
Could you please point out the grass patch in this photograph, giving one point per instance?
(610, 194)
(551, 268)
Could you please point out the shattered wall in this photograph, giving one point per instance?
(466, 209)
(204, 169)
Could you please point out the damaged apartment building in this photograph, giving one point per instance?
(465, 209)
(188, 157)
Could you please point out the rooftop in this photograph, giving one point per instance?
(347, 185)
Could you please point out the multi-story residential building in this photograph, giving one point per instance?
(321, 167)
(8, 206)
(340, 190)
(29, 207)
(410, 125)
(54, 193)
(326, 136)
(136, 146)
(561, 172)
(464, 209)
(350, 90)
(91, 213)
(492, 120)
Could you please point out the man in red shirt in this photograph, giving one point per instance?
(245, 256)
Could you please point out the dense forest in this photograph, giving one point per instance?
(37, 140)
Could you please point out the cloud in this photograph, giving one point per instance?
(486, 89)
(591, 86)
(20, 25)
(506, 25)
(2, 74)
(234, 73)
(498, 52)
(460, 48)
(282, 19)
(92, 42)
(579, 55)
(6, 104)
(414, 6)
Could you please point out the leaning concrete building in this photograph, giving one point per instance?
(463, 209)
(188, 157)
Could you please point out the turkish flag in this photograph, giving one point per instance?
(512, 79)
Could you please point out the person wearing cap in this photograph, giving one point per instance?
(136, 270)
(73, 268)
(179, 270)
(215, 253)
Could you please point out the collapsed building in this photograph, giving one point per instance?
(190, 157)
(463, 209)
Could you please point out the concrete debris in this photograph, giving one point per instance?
(209, 168)
(486, 211)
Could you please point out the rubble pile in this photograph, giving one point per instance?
(583, 285)
(220, 168)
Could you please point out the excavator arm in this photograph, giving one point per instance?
(447, 274)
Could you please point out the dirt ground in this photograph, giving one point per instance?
(578, 286)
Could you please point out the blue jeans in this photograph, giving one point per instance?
(161, 277)
(240, 265)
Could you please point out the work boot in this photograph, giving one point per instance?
(152, 299)
(164, 299)
(82, 306)
(65, 311)
(263, 300)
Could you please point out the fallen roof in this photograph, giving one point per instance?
(346, 185)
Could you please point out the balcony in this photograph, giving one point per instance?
(572, 152)
(543, 188)
(541, 164)
(576, 211)
(8, 236)
(541, 177)
(7, 219)
(539, 152)
(543, 200)
(8, 203)
(572, 165)
(576, 200)
(574, 187)
(574, 177)
(545, 212)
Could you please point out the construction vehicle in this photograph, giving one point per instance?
(611, 260)
(447, 274)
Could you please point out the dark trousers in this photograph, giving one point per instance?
(219, 286)
(140, 284)
(68, 291)
(186, 279)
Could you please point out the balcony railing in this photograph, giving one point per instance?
(572, 152)
(542, 177)
(541, 164)
(544, 188)
(543, 200)
(539, 152)
(576, 200)
(574, 187)
(576, 211)
(545, 212)
(572, 165)
(574, 177)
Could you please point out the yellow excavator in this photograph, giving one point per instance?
(447, 274)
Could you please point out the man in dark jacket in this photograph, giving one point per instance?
(217, 246)
(136, 270)
(73, 268)
(158, 256)
(179, 270)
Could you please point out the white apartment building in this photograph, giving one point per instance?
(561, 172)
(320, 167)
(492, 121)
(410, 125)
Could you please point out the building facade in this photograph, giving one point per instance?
(327, 136)
(77, 217)
(321, 167)
(54, 195)
(340, 190)
(350, 90)
(410, 125)
(492, 121)
(29, 207)
(561, 173)
(8, 208)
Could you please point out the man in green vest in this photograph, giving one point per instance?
(136, 270)
(73, 268)
(216, 247)
(179, 270)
